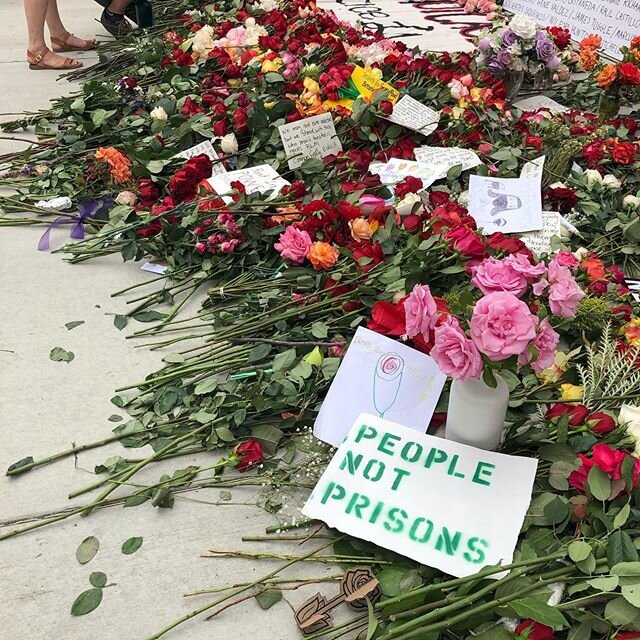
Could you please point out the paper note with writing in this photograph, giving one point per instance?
(397, 170)
(540, 241)
(443, 158)
(258, 179)
(207, 149)
(442, 503)
(154, 267)
(363, 82)
(534, 103)
(533, 169)
(313, 137)
(412, 114)
(510, 205)
(380, 376)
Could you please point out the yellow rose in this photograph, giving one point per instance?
(571, 392)
(311, 85)
(272, 65)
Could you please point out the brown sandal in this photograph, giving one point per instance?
(36, 62)
(61, 45)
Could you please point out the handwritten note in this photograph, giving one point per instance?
(510, 205)
(380, 376)
(258, 179)
(397, 170)
(444, 158)
(442, 503)
(313, 137)
(367, 83)
(414, 115)
(533, 103)
(540, 241)
(207, 149)
(533, 169)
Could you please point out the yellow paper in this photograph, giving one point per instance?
(368, 83)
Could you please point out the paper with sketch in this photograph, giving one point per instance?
(533, 169)
(258, 179)
(313, 137)
(380, 376)
(444, 158)
(540, 102)
(510, 205)
(540, 241)
(207, 149)
(444, 504)
(397, 170)
(414, 115)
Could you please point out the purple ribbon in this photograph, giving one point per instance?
(86, 209)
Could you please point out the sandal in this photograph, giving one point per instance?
(36, 62)
(60, 45)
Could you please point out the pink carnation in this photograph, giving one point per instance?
(498, 275)
(564, 291)
(566, 259)
(294, 244)
(520, 263)
(545, 343)
(421, 311)
(454, 353)
(502, 326)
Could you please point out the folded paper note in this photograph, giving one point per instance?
(313, 137)
(534, 103)
(441, 159)
(414, 115)
(380, 376)
(442, 503)
(258, 179)
(397, 170)
(540, 241)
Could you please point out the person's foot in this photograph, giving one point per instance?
(68, 42)
(130, 11)
(46, 59)
(115, 23)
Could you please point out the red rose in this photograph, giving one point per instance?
(627, 635)
(201, 165)
(249, 454)
(220, 128)
(535, 630)
(190, 108)
(629, 73)
(577, 413)
(533, 141)
(412, 223)
(184, 184)
(240, 120)
(386, 106)
(624, 153)
(594, 153)
(407, 186)
(561, 37)
(296, 189)
(387, 318)
(563, 198)
(601, 423)
(508, 244)
(466, 241)
(366, 249)
(148, 191)
(436, 198)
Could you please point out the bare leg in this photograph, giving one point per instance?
(36, 11)
(56, 28)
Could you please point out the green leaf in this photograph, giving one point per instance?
(390, 579)
(18, 465)
(267, 598)
(632, 595)
(621, 613)
(284, 360)
(620, 548)
(599, 483)
(579, 550)
(268, 436)
(628, 573)
(87, 549)
(206, 386)
(58, 354)
(86, 602)
(372, 621)
(73, 324)
(548, 508)
(131, 545)
(114, 417)
(156, 166)
(604, 583)
(259, 352)
(580, 632)
(98, 579)
(149, 316)
(319, 330)
(120, 322)
(174, 358)
(622, 516)
(539, 611)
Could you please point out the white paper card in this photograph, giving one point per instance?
(313, 137)
(540, 241)
(154, 267)
(534, 103)
(444, 504)
(383, 377)
(258, 179)
(443, 158)
(533, 169)
(397, 170)
(414, 115)
(510, 205)
(207, 149)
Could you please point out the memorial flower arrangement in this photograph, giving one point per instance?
(291, 270)
(620, 81)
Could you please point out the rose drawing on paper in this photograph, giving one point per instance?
(387, 379)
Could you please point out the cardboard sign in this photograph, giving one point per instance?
(540, 102)
(540, 241)
(258, 179)
(383, 377)
(617, 22)
(510, 205)
(444, 158)
(207, 149)
(313, 137)
(444, 504)
(414, 115)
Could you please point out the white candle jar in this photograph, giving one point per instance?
(476, 413)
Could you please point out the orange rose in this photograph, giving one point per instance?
(588, 59)
(607, 76)
(119, 164)
(360, 229)
(594, 268)
(635, 43)
(592, 41)
(322, 255)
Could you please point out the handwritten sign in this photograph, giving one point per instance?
(398, 169)
(380, 376)
(313, 137)
(617, 21)
(540, 241)
(363, 82)
(258, 179)
(442, 503)
(540, 102)
(510, 205)
(204, 148)
(533, 169)
(414, 115)
(444, 158)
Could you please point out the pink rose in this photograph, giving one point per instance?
(566, 259)
(564, 291)
(545, 343)
(501, 325)
(369, 203)
(520, 263)
(421, 312)
(498, 275)
(294, 244)
(458, 90)
(454, 353)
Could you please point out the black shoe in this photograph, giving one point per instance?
(117, 25)
(130, 11)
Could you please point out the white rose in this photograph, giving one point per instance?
(592, 177)
(405, 205)
(611, 182)
(558, 185)
(268, 5)
(202, 42)
(630, 418)
(581, 253)
(159, 114)
(127, 198)
(523, 27)
(631, 202)
(229, 143)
